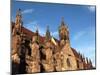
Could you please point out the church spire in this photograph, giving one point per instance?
(37, 34)
(63, 31)
(18, 12)
(18, 23)
(62, 21)
(90, 63)
(18, 16)
(87, 60)
(48, 36)
(83, 58)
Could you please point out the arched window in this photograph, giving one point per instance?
(68, 62)
(77, 64)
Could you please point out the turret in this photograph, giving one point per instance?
(37, 34)
(63, 31)
(90, 63)
(18, 16)
(18, 23)
(87, 60)
(48, 36)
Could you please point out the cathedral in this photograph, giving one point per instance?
(33, 53)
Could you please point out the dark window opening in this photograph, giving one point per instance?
(77, 64)
(68, 63)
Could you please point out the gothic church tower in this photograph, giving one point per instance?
(18, 23)
(67, 55)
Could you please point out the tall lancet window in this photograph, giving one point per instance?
(68, 62)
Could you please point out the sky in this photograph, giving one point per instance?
(80, 19)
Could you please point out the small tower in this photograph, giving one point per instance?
(83, 58)
(18, 23)
(67, 54)
(35, 38)
(90, 63)
(37, 34)
(48, 36)
(63, 31)
(18, 16)
(87, 60)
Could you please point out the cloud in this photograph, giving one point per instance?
(89, 31)
(27, 11)
(55, 34)
(79, 35)
(91, 8)
(33, 25)
(87, 45)
(42, 32)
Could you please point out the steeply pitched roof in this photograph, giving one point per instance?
(75, 52)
